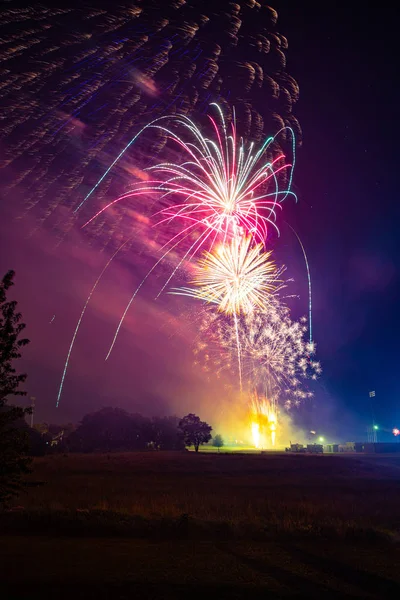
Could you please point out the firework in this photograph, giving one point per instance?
(274, 351)
(236, 277)
(276, 355)
(224, 185)
(128, 68)
(92, 291)
(276, 358)
(309, 284)
(226, 192)
(219, 184)
(120, 68)
(226, 197)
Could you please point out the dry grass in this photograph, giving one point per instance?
(235, 494)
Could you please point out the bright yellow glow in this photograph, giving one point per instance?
(255, 432)
(273, 438)
(264, 422)
(272, 417)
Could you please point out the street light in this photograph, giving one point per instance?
(320, 439)
(376, 427)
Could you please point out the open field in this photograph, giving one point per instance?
(276, 492)
(160, 524)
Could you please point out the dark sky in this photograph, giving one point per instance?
(347, 216)
(345, 62)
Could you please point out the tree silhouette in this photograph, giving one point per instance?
(13, 439)
(195, 432)
(218, 442)
(10, 344)
(166, 435)
(111, 429)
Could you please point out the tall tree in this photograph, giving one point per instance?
(195, 432)
(13, 440)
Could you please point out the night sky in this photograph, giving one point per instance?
(347, 172)
(347, 216)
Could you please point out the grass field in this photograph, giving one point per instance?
(279, 493)
(176, 520)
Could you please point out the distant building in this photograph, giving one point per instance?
(309, 449)
(347, 447)
(315, 448)
(296, 448)
(331, 448)
(382, 447)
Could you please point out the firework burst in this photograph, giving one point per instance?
(276, 358)
(227, 196)
(220, 185)
(236, 277)
(220, 199)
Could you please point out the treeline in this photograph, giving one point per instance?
(109, 429)
(114, 429)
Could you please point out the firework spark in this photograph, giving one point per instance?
(220, 184)
(275, 356)
(119, 68)
(227, 197)
(309, 283)
(236, 277)
(92, 291)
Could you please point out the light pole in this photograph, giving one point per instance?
(372, 437)
(32, 399)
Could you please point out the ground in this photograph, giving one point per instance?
(170, 525)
